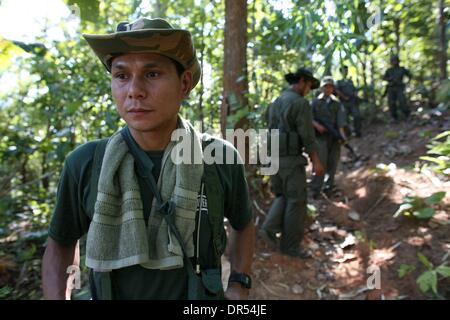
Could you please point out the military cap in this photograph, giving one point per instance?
(302, 72)
(327, 80)
(147, 36)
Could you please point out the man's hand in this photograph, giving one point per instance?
(236, 291)
(342, 95)
(318, 168)
(343, 135)
(319, 127)
(317, 165)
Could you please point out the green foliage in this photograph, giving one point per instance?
(439, 154)
(443, 94)
(88, 9)
(419, 207)
(405, 269)
(428, 280)
(5, 291)
(391, 134)
(425, 134)
(25, 254)
(312, 211)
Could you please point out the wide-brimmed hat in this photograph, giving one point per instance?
(147, 36)
(302, 72)
(327, 80)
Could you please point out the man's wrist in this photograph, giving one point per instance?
(240, 278)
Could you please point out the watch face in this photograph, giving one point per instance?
(248, 281)
(242, 278)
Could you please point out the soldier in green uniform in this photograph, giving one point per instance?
(291, 114)
(154, 225)
(329, 115)
(346, 91)
(396, 88)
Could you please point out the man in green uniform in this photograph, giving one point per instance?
(396, 88)
(347, 94)
(154, 225)
(329, 115)
(291, 115)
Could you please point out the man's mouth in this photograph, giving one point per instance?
(139, 111)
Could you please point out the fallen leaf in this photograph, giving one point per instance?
(297, 289)
(350, 240)
(345, 258)
(354, 216)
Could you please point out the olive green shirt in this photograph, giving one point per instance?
(296, 111)
(347, 87)
(75, 208)
(329, 110)
(394, 76)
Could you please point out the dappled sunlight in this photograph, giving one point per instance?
(389, 206)
(381, 257)
(350, 270)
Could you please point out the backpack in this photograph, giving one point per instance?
(290, 142)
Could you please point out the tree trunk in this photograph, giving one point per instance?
(23, 170)
(235, 83)
(202, 57)
(160, 9)
(397, 35)
(442, 43)
(364, 73)
(372, 81)
(45, 181)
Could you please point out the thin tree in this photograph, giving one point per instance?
(235, 81)
(442, 42)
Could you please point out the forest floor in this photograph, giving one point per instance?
(347, 233)
(355, 229)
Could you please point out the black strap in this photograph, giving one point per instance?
(97, 164)
(104, 284)
(166, 208)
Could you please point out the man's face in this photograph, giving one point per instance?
(328, 89)
(344, 72)
(304, 86)
(147, 90)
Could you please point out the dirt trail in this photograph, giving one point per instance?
(356, 229)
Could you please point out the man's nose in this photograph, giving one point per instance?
(136, 89)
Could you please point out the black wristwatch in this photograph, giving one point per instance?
(243, 278)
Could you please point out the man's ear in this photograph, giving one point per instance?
(186, 83)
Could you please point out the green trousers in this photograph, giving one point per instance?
(288, 211)
(397, 99)
(329, 151)
(352, 110)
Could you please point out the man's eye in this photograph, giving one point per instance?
(121, 76)
(152, 74)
